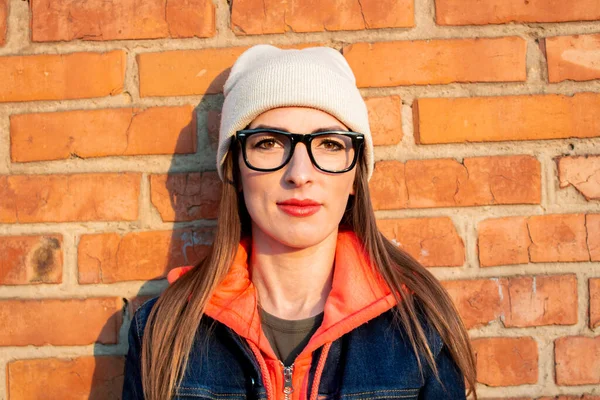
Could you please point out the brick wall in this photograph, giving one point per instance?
(485, 120)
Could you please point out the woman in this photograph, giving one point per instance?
(300, 296)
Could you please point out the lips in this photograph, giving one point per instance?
(299, 208)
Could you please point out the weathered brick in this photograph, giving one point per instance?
(541, 300)
(503, 241)
(98, 133)
(479, 301)
(541, 238)
(577, 360)
(517, 301)
(476, 12)
(63, 198)
(592, 223)
(186, 196)
(573, 57)
(3, 20)
(61, 76)
(388, 186)
(502, 118)
(256, 17)
(558, 237)
(506, 361)
(185, 72)
(583, 172)
(594, 286)
(385, 118)
(60, 322)
(437, 61)
(475, 181)
(31, 259)
(576, 397)
(55, 20)
(99, 377)
(110, 257)
(433, 242)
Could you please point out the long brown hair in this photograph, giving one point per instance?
(173, 321)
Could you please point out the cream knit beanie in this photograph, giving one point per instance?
(266, 77)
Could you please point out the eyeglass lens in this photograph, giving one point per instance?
(331, 152)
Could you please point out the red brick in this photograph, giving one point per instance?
(63, 20)
(558, 238)
(517, 301)
(506, 361)
(592, 223)
(63, 198)
(99, 377)
(476, 12)
(256, 17)
(385, 118)
(477, 181)
(502, 118)
(479, 301)
(99, 133)
(60, 322)
(186, 196)
(577, 360)
(61, 76)
(388, 186)
(110, 257)
(541, 300)
(31, 259)
(503, 241)
(3, 20)
(185, 72)
(583, 172)
(437, 61)
(573, 57)
(433, 242)
(594, 286)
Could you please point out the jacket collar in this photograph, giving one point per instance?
(358, 294)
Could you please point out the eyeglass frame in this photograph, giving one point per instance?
(358, 140)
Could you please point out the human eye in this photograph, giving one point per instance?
(333, 143)
(265, 141)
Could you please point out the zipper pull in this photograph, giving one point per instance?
(288, 387)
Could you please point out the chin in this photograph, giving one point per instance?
(300, 235)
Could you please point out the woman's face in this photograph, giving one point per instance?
(268, 194)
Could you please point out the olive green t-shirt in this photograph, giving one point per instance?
(288, 337)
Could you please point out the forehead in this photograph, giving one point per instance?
(298, 119)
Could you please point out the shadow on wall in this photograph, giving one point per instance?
(192, 187)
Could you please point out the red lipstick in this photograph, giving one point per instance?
(299, 208)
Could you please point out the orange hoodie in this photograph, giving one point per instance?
(358, 294)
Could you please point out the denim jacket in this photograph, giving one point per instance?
(358, 353)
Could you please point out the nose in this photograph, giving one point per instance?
(300, 169)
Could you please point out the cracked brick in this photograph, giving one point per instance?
(110, 258)
(506, 361)
(65, 20)
(101, 133)
(186, 196)
(257, 17)
(581, 172)
(434, 242)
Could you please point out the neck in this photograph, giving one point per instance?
(292, 283)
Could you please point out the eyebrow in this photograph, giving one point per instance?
(328, 128)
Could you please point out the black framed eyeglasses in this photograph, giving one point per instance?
(268, 150)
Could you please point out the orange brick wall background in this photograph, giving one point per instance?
(486, 124)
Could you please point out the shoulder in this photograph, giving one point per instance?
(390, 321)
(140, 317)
